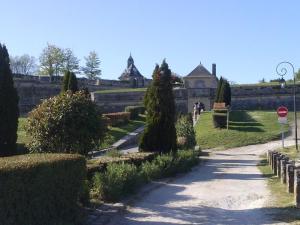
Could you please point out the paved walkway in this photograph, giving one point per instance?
(227, 189)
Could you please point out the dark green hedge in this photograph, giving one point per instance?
(100, 165)
(135, 111)
(220, 120)
(40, 189)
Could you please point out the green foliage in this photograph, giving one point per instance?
(92, 66)
(69, 82)
(73, 83)
(41, 189)
(135, 111)
(65, 83)
(223, 92)
(9, 111)
(67, 123)
(118, 118)
(185, 130)
(119, 180)
(160, 132)
(114, 153)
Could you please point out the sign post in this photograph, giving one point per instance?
(282, 119)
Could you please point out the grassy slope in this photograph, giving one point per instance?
(282, 203)
(245, 128)
(115, 133)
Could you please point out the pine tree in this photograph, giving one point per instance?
(9, 111)
(160, 132)
(66, 79)
(72, 86)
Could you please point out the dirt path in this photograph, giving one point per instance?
(226, 189)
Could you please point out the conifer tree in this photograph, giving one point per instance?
(218, 91)
(66, 79)
(72, 86)
(227, 93)
(160, 132)
(9, 111)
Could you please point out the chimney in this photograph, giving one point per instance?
(214, 69)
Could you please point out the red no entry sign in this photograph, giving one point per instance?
(282, 111)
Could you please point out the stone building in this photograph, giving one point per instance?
(132, 75)
(201, 86)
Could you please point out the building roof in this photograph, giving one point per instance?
(199, 71)
(131, 71)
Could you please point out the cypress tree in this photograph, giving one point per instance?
(9, 111)
(222, 91)
(66, 79)
(218, 91)
(72, 86)
(227, 93)
(160, 132)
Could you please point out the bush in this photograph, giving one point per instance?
(65, 123)
(220, 120)
(100, 165)
(185, 132)
(118, 181)
(114, 119)
(41, 189)
(135, 111)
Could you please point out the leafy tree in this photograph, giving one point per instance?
(73, 125)
(24, 64)
(92, 66)
(65, 83)
(52, 61)
(71, 62)
(262, 80)
(9, 111)
(298, 75)
(73, 83)
(160, 132)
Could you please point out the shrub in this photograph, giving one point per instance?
(65, 123)
(118, 181)
(150, 171)
(41, 189)
(100, 165)
(220, 120)
(114, 119)
(160, 132)
(9, 110)
(185, 132)
(135, 111)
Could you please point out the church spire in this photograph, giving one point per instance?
(130, 61)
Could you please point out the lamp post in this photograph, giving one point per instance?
(282, 70)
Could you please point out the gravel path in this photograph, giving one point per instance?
(226, 189)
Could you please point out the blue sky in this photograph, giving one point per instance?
(246, 39)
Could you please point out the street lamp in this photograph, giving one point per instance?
(281, 70)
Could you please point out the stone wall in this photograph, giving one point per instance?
(116, 102)
(264, 97)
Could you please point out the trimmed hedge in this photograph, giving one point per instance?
(40, 189)
(135, 111)
(100, 165)
(121, 179)
(114, 119)
(220, 120)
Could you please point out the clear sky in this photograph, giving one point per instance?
(246, 39)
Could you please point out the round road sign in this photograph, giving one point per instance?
(282, 111)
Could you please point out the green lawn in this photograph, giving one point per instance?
(116, 133)
(22, 137)
(245, 128)
(121, 90)
(281, 203)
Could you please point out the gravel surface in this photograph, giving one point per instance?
(226, 189)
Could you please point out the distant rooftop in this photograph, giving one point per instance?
(199, 71)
